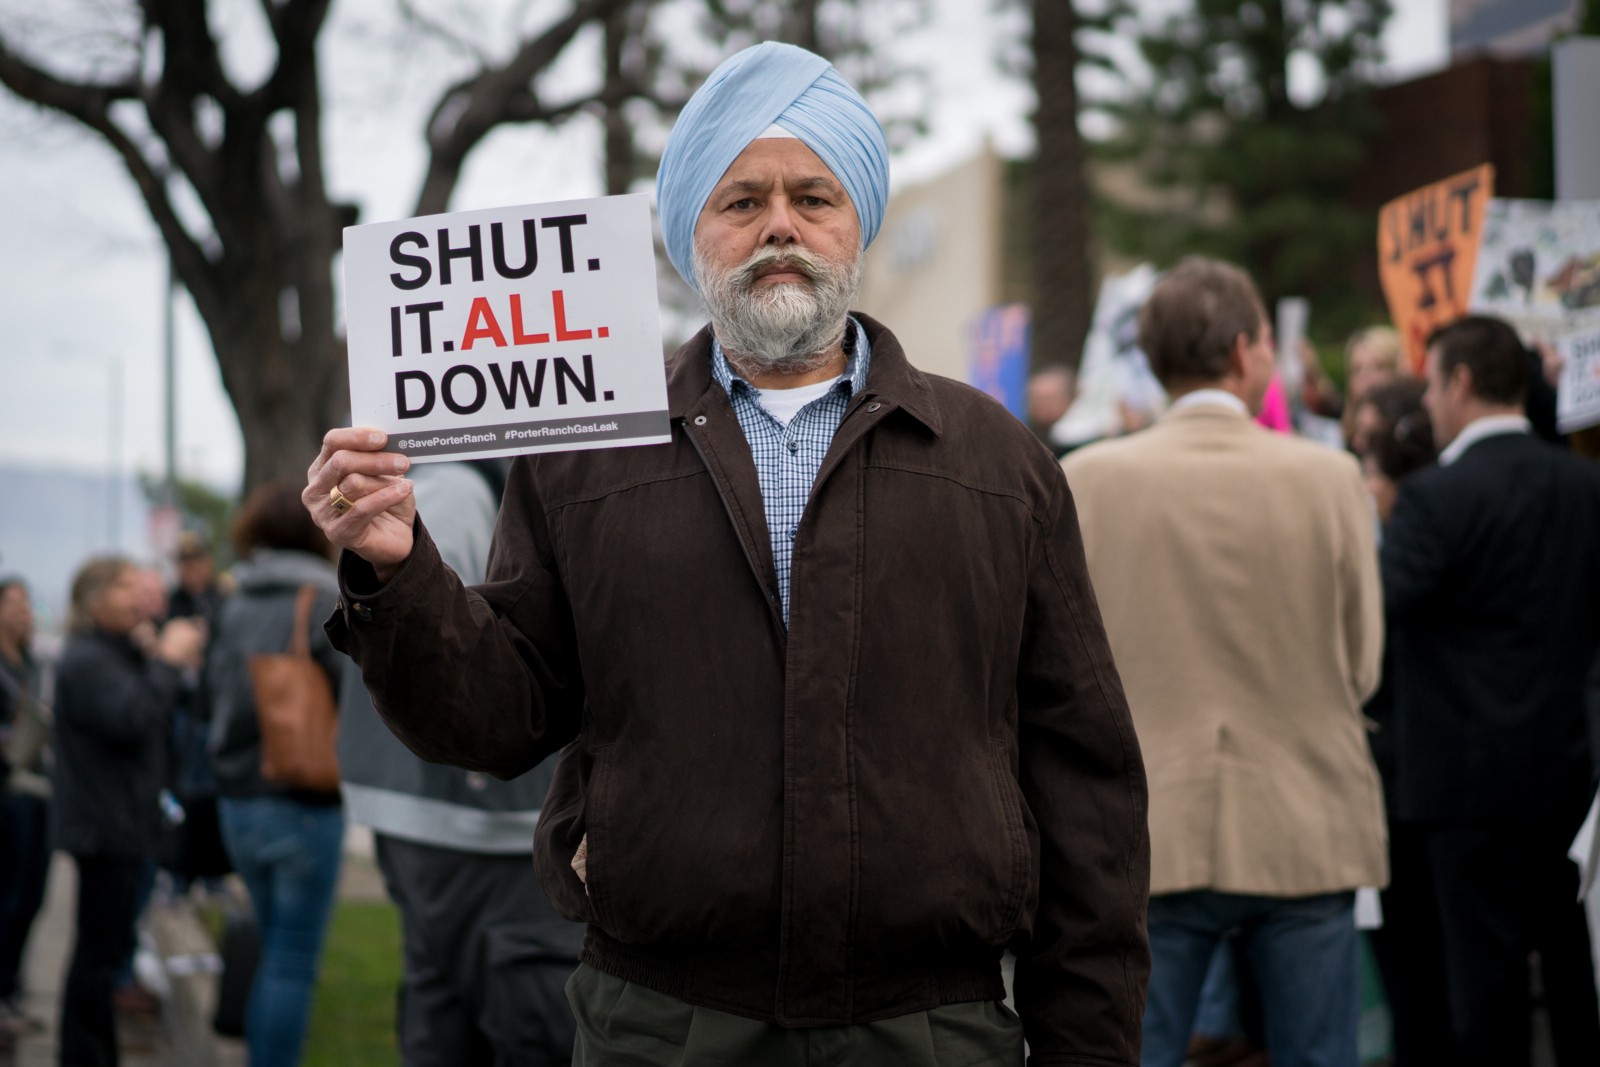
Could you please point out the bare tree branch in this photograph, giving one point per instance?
(35, 84)
(295, 25)
(91, 106)
(437, 28)
(192, 65)
(468, 110)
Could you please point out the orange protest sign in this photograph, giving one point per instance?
(1427, 245)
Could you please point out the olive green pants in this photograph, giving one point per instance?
(621, 1024)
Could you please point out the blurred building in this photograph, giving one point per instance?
(1509, 28)
(1482, 110)
(959, 244)
(940, 261)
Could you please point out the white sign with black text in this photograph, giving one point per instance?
(1578, 396)
(508, 330)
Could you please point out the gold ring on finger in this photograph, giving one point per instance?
(340, 502)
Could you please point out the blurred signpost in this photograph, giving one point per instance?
(1427, 245)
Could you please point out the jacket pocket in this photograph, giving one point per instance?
(599, 826)
(693, 866)
(561, 827)
(1007, 797)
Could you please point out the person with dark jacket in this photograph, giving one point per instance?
(192, 849)
(1409, 947)
(24, 799)
(486, 955)
(838, 717)
(286, 843)
(196, 594)
(115, 683)
(1491, 581)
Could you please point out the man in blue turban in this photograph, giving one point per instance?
(838, 719)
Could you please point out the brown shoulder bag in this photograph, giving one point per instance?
(296, 710)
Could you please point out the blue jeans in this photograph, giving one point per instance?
(288, 855)
(1218, 1014)
(1304, 953)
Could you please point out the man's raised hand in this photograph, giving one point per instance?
(358, 496)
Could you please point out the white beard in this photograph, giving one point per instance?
(788, 328)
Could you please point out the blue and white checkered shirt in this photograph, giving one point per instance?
(789, 457)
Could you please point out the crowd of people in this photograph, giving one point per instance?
(139, 754)
(1288, 642)
(816, 710)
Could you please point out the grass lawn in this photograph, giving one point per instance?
(352, 1012)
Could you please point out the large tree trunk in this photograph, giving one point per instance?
(1063, 270)
(614, 99)
(287, 392)
(272, 314)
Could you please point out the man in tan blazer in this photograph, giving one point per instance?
(1237, 574)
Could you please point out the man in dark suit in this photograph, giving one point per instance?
(1491, 568)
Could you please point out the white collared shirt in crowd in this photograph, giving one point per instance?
(1478, 429)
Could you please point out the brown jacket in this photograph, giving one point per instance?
(844, 821)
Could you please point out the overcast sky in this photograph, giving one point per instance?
(82, 276)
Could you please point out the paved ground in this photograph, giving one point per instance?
(178, 959)
(144, 1042)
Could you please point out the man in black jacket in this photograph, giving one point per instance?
(1492, 587)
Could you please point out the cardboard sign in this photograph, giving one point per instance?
(1539, 269)
(508, 330)
(1427, 245)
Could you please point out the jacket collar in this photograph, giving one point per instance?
(1219, 399)
(1214, 413)
(891, 378)
(1481, 429)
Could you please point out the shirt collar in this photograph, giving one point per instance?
(891, 378)
(858, 353)
(1212, 397)
(1478, 429)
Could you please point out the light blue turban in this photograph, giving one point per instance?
(762, 85)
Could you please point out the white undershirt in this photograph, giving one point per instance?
(785, 404)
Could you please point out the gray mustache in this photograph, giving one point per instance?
(746, 274)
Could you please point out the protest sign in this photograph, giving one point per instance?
(1539, 269)
(1114, 378)
(1578, 392)
(998, 361)
(507, 330)
(1427, 244)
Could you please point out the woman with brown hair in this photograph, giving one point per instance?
(284, 840)
(117, 680)
(1372, 357)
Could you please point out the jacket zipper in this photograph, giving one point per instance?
(773, 605)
